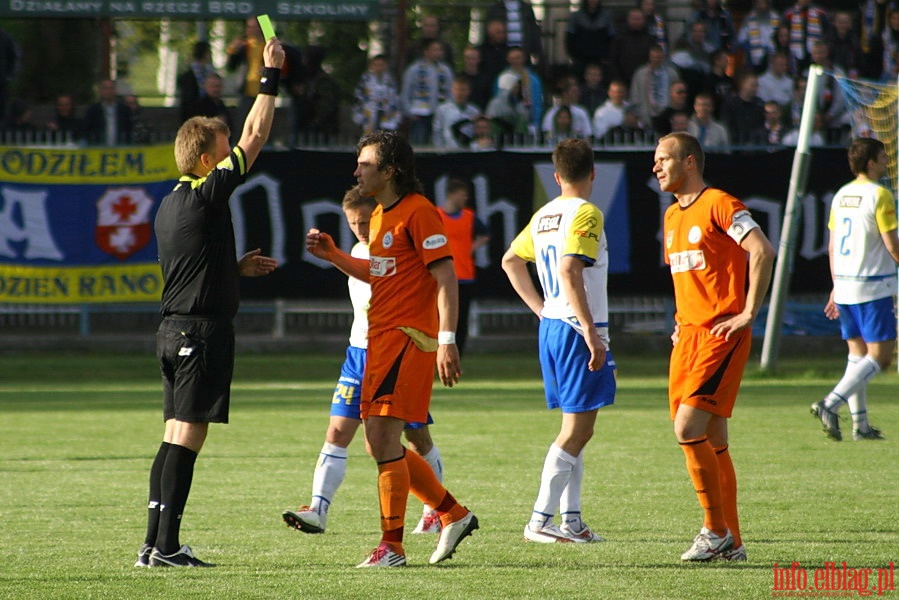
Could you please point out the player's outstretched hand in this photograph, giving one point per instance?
(449, 366)
(320, 244)
(253, 264)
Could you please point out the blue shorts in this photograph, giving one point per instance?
(873, 321)
(348, 392)
(569, 384)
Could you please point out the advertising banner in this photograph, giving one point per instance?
(76, 224)
(286, 10)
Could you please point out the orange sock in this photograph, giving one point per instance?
(702, 465)
(729, 493)
(393, 492)
(430, 491)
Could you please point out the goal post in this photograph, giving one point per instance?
(785, 253)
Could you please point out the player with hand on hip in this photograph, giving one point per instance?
(567, 241)
(712, 245)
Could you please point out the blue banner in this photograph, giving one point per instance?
(76, 225)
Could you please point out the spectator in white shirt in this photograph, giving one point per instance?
(611, 112)
(426, 85)
(454, 118)
(580, 120)
(776, 84)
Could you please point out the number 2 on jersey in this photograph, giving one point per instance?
(844, 249)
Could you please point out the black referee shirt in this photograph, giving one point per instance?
(195, 239)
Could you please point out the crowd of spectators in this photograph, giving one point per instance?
(733, 81)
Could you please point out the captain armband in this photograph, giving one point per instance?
(741, 225)
(268, 82)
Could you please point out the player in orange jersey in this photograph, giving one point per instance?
(708, 235)
(466, 233)
(411, 327)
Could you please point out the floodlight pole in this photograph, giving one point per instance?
(785, 254)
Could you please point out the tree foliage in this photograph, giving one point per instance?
(69, 55)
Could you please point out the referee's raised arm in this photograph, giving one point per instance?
(258, 125)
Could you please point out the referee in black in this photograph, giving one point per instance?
(200, 296)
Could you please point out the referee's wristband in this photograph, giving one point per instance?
(444, 338)
(268, 82)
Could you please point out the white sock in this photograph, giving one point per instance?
(433, 458)
(329, 474)
(557, 468)
(858, 407)
(856, 377)
(570, 501)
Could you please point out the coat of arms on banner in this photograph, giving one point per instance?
(123, 221)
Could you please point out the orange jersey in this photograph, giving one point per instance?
(460, 232)
(405, 238)
(707, 266)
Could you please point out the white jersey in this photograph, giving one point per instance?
(863, 269)
(360, 294)
(568, 227)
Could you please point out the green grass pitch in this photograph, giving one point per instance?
(78, 432)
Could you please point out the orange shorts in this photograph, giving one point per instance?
(706, 371)
(398, 378)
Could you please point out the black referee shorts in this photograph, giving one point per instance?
(196, 357)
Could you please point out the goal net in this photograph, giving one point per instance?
(873, 110)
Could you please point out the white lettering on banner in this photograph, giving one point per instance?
(52, 6)
(23, 218)
(172, 8)
(272, 189)
(814, 245)
(322, 9)
(231, 8)
(688, 260)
